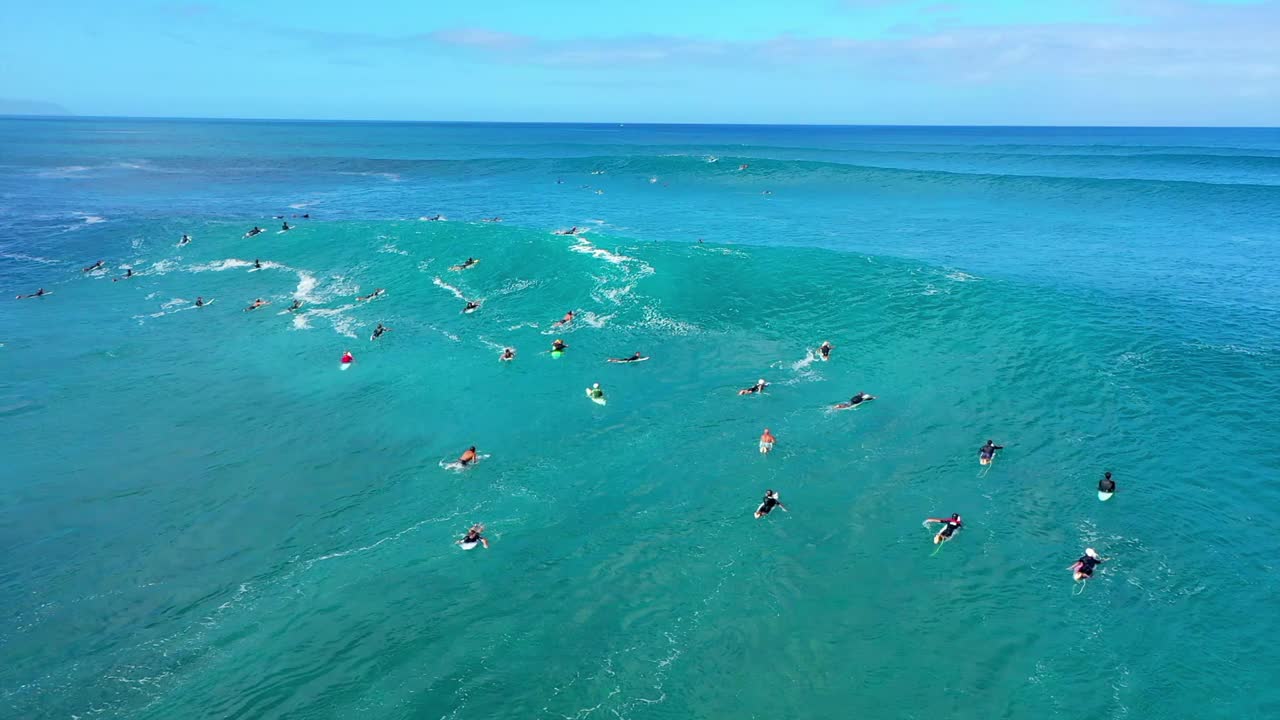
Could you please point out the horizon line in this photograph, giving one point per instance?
(73, 116)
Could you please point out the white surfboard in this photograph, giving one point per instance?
(1104, 496)
(469, 546)
(765, 447)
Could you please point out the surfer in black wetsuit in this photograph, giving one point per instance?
(508, 354)
(854, 401)
(378, 331)
(285, 227)
(1085, 565)
(558, 346)
(257, 264)
(987, 452)
(37, 293)
(949, 527)
(185, 239)
(770, 502)
(474, 536)
(297, 304)
(471, 306)
(636, 357)
(128, 273)
(757, 388)
(93, 267)
(1106, 484)
(255, 231)
(199, 302)
(825, 351)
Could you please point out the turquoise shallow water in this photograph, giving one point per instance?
(202, 517)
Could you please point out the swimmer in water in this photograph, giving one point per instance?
(949, 527)
(568, 318)
(347, 357)
(824, 351)
(508, 354)
(255, 231)
(257, 264)
(987, 452)
(854, 401)
(378, 331)
(199, 302)
(757, 388)
(256, 304)
(468, 457)
(558, 346)
(635, 357)
(474, 536)
(767, 440)
(1083, 568)
(371, 295)
(37, 293)
(471, 306)
(128, 273)
(185, 239)
(93, 267)
(295, 306)
(465, 265)
(1106, 484)
(770, 502)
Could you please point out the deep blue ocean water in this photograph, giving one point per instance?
(202, 516)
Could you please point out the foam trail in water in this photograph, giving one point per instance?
(442, 284)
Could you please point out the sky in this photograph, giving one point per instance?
(931, 62)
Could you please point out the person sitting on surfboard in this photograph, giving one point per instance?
(348, 358)
(854, 401)
(37, 293)
(558, 346)
(568, 318)
(595, 393)
(508, 354)
(949, 527)
(770, 502)
(200, 301)
(470, 261)
(285, 227)
(757, 388)
(257, 264)
(185, 239)
(634, 358)
(371, 295)
(1106, 484)
(767, 440)
(1083, 567)
(474, 536)
(378, 331)
(987, 452)
(468, 457)
(825, 351)
(256, 304)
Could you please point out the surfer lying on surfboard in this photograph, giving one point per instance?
(854, 401)
(37, 293)
(474, 536)
(825, 351)
(1083, 568)
(757, 388)
(468, 457)
(470, 261)
(987, 452)
(568, 318)
(371, 295)
(770, 502)
(949, 527)
(637, 357)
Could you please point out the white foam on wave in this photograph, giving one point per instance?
(342, 323)
(442, 284)
(655, 320)
(391, 249)
(306, 284)
(388, 176)
(299, 206)
(93, 219)
(516, 286)
(221, 265)
(66, 171)
(584, 246)
(424, 265)
(28, 258)
(593, 320)
(162, 267)
(960, 276)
